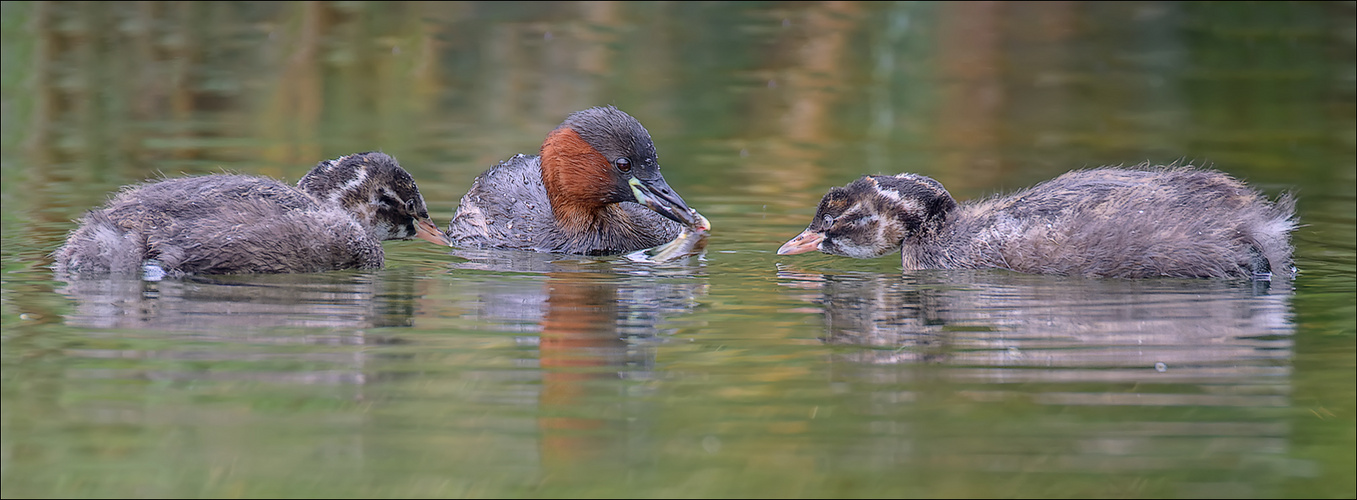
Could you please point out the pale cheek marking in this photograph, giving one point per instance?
(911, 205)
(386, 231)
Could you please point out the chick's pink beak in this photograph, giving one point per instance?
(807, 241)
(425, 230)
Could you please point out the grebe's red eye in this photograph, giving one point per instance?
(624, 165)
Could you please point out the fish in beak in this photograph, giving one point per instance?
(656, 194)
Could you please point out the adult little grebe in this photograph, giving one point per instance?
(1104, 222)
(335, 218)
(596, 189)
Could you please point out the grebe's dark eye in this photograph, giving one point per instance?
(624, 165)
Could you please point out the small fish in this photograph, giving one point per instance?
(692, 240)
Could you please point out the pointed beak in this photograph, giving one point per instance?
(807, 241)
(656, 194)
(426, 230)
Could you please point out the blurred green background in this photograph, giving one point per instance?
(444, 376)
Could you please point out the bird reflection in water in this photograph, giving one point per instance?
(177, 315)
(1000, 319)
(598, 325)
(245, 303)
(579, 343)
(1209, 360)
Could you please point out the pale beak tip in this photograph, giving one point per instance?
(802, 243)
(427, 231)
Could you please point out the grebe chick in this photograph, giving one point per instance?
(1104, 222)
(596, 189)
(335, 218)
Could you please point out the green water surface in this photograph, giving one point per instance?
(456, 373)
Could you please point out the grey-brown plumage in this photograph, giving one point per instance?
(508, 207)
(1104, 222)
(596, 189)
(227, 223)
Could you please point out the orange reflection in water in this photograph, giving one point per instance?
(579, 331)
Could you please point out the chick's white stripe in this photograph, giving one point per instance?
(911, 205)
(361, 175)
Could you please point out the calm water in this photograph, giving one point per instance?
(461, 373)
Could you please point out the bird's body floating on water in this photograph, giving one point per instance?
(335, 218)
(596, 189)
(1104, 222)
